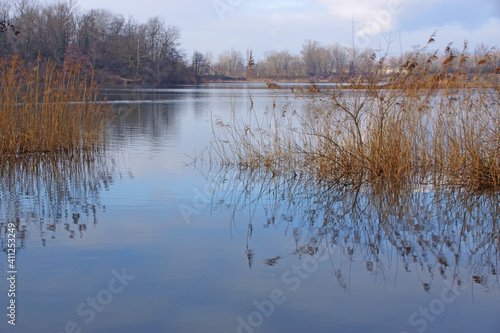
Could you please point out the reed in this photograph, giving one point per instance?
(418, 126)
(44, 109)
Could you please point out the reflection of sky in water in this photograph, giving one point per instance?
(195, 277)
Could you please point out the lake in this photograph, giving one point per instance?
(145, 237)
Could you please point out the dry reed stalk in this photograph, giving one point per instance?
(417, 127)
(52, 112)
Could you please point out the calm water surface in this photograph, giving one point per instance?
(135, 240)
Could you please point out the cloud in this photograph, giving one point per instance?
(487, 33)
(362, 9)
(370, 18)
(375, 16)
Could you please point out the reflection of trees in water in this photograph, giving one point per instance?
(428, 232)
(52, 190)
(152, 121)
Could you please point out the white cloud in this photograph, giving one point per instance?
(373, 17)
(370, 18)
(362, 9)
(488, 33)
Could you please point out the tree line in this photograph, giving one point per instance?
(118, 49)
(126, 51)
(337, 63)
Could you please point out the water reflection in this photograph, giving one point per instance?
(53, 191)
(426, 232)
(147, 123)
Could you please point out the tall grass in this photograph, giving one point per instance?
(46, 109)
(417, 126)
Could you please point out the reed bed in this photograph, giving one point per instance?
(419, 126)
(45, 109)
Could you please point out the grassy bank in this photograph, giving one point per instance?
(45, 109)
(418, 126)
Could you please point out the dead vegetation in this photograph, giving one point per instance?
(418, 126)
(43, 109)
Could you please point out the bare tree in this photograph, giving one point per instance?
(315, 58)
(161, 43)
(339, 62)
(230, 63)
(365, 61)
(58, 26)
(27, 18)
(5, 27)
(278, 63)
(199, 65)
(93, 33)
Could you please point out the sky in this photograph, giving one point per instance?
(264, 25)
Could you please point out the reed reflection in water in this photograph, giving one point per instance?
(53, 191)
(427, 232)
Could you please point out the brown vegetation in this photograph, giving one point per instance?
(431, 126)
(45, 109)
